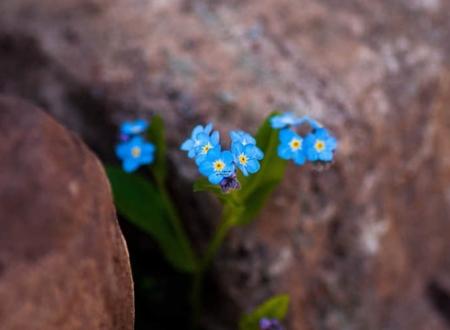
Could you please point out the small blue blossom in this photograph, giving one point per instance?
(134, 153)
(270, 324)
(284, 120)
(242, 137)
(320, 146)
(134, 127)
(206, 144)
(247, 157)
(192, 144)
(217, 165)
(291, 146)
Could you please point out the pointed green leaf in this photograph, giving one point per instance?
(274, 308)
(140, 203)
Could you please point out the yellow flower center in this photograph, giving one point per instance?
(207, 147)
(243, 159)
(135, 152)
(218, 165)
(295, 144)
(319, 145)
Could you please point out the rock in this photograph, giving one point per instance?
(63, 261)
(362, 246)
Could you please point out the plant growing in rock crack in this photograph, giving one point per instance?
(241, 177)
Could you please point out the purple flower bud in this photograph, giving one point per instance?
(267, 324)
(123, 137)
(230, 184)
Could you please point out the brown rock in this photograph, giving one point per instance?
(63, 260)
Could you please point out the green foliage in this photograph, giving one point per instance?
(156, 134)
(257, 188)
(274, 308)
(143, 205)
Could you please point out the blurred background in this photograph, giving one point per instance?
(363, 245)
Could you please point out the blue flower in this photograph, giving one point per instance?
(134, 127)
(320, 145)
(291, 146)
(247, 157)
(284, 120)
(243, 137)
(217, 166)
(270, 324)
(192, 144)
(205, 144)
(134, 153)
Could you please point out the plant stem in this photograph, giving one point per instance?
(227, 221)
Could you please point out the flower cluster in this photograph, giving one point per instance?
(270, 324)
(218, 165)
(133, 149)
(318, 146)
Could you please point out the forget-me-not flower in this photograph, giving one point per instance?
(320, 145)
(192, 144)
(284, 120)
(247, 157)
(217, 165)
(135, 127)
(134, 153)
(206, 144)
(242, 137)
(291, 146)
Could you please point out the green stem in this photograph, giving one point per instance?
(227, 222)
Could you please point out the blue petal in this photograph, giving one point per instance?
(253, 151)
(311, 154)
(235, 137)
(227, 157)
(197, 129)
(202, 138)
(206, 168)
(253, 166)
(215, 178)
(148, 148)
(147, 159)
(122, 150)
(284, 151)
(286, 135)
(208, 128)
(192, 153)
(130, 165)
(243, 169)
(215, 138)
(299, 158)
(200, 158)
(187, 145)
(237, 148)
(326, 156)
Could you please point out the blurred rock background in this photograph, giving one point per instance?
(364, 245)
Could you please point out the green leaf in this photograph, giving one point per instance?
(257, 188)
(274, 308)
(141, 203)
(203, 184)
(156, 135)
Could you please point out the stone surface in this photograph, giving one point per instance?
(364, 245)
(63, 260)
